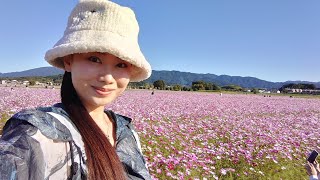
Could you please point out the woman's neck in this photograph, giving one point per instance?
(97, 114)
(105, 124)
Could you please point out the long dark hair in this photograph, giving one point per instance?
(102, 159)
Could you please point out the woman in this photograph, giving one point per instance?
(78, 138)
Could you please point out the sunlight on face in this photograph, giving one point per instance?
(98, 78)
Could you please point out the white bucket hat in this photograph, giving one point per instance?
(102, 26)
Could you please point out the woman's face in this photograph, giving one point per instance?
(98, 78)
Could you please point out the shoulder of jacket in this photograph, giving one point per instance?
(120, 119)
(40, 119)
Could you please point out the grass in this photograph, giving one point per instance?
(270, 170)
(3, 120)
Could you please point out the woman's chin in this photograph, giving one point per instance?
(102, 101)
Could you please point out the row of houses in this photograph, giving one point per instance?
(27, 83)
(14, 82)
(290, 91)
(303, 91)
(265, 91)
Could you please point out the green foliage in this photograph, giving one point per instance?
(232, 88)
(184, 88)
(202, 85)
(3, 119)
(140, 85)
(198, 85)
(297, 86)
(177, 87)
(32, 82)
(57, 79)
(255, 90)
(159, 84)
(211, 86)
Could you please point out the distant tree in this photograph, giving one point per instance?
(232, 88)
(202, 85)
(208, 86)
(159, 84)
(296, 86)
(309, 86)
(177, 87)
(148, 85)
(184, 88)
(198, 85)
(32, 82)
(211, 86)
(57, 79)
(285, 86)
(139, 85)
(215, 87)
(255, 90)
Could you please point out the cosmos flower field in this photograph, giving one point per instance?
(198, 135)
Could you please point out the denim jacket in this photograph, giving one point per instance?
(43, 143)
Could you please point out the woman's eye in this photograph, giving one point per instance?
(122, 65)
(94, 59)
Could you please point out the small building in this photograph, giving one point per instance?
(14, 82)
(26, 83)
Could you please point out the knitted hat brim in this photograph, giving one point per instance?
(86, 41)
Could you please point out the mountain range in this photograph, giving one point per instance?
(176, 77)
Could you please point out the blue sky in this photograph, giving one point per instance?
(273, 40)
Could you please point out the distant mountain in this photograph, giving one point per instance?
(186, 78)
(42, 71)
(175, 77)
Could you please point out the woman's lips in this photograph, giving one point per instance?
(103, 91)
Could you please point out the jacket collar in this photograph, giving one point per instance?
(53, 128)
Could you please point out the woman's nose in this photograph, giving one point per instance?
(107, 77)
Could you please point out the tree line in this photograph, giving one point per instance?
(210, 86)
(196, 86)
(297, 86)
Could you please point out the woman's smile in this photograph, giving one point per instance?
(103, 91)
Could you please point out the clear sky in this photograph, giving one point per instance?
(273, 40)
